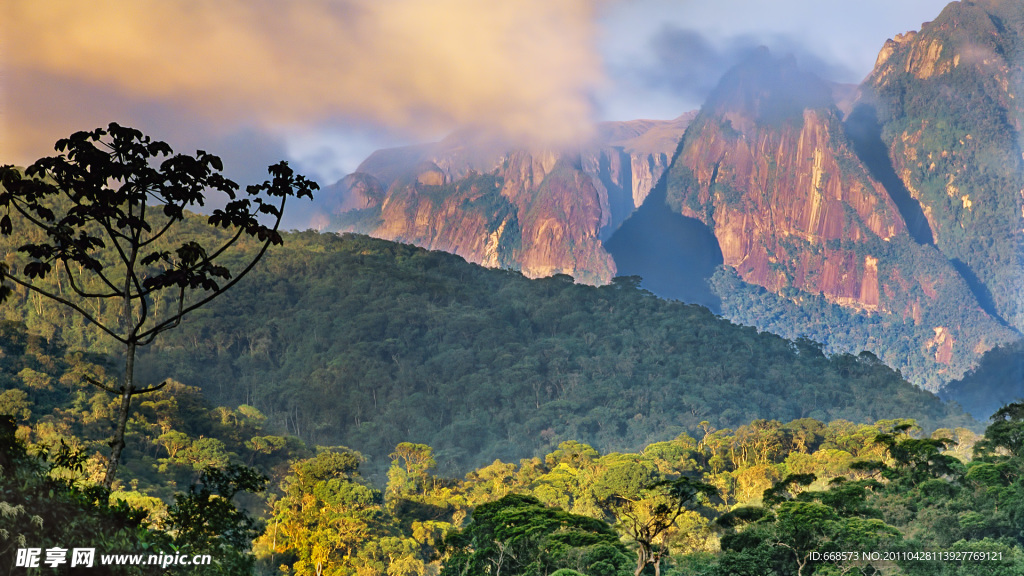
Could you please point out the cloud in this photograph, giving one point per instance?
(49, 107)
(688, 63)
(525, 68)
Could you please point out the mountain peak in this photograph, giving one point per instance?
(769, 90)
(983, 35)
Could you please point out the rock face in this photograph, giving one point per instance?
(949, 99)
(767, 165)
(540, 212)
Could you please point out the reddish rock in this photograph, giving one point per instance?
(777, 198)
(542, 212)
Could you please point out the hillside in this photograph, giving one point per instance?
(998, 380)
(367, 343)
(948, 101)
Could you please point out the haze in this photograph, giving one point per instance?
(322, 83)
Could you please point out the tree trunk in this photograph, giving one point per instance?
(642, 559)
(117, 444)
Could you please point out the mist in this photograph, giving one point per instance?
(523, 69)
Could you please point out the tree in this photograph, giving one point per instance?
(518, 535)
(206, 520)
(799, 531)
(918, 459)
(411, 465)
(110, 227)
(1006, 432)
(324, 518)
(647, 506)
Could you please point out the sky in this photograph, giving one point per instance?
(323, 83)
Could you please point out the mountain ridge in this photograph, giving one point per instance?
(769, 167)
(558, 206)
(948, 101)
(813, 191)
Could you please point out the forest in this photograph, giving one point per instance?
(359, 407)
(801, 497)
(742, 493)
(365, 343)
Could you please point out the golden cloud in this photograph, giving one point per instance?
(523, 67)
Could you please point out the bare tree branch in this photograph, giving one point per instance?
(67, 303)
(101, 386)
(153, 388)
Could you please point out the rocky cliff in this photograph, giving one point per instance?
(949, 101)
(541, 212)
(887, 217)
(768, 166)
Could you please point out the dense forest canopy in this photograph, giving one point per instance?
(615, 404)
(771, 495)
(366, 343)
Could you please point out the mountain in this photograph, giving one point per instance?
(769, 166)
(948, 99)
(884, 217)
(541, 212)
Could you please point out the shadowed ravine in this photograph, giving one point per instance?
(674, 254)
(865, 132)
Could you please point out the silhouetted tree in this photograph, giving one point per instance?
(110, 217)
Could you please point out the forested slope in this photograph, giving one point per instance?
(368, 343)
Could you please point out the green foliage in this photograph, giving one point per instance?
(998, 379)
(903, 343)
(38, 509)
(918, 459)
(1006, 432)
(519, 536)
(173, 434)
(683, 187)
(957, 132)
(329, 522)
(348, 340)
(411, 465)
(802, 535)
(104, 218)
(206, 520)
(15, 403)
(646, 507)
(41, 509)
